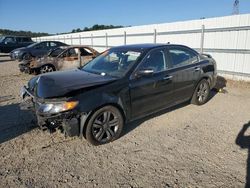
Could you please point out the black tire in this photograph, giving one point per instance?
(26, 56)
(201, 93)
(46, 69)
(105, 125)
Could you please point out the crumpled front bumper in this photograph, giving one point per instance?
(68, 122)
(13, 56)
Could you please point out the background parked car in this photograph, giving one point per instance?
(61, 58)
(35, 50)
(9, 43)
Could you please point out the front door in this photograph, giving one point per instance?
(41, 49)
(150, 93)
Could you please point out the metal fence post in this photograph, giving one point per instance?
(64, 39)
(80, 40)
(71, 40)
(125, 38)
(106, 37)
(92, 42)
(155, 35)
(202, 38)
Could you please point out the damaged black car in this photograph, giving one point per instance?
(121, 85)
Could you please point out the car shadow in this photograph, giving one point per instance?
(136, 123)
(4, 55)
(244, 142)
(220, 85)
(14, 122)
(5, 60)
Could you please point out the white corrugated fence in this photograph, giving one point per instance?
(227, 39)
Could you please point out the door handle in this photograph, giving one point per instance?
(168, 77)
(196, 69)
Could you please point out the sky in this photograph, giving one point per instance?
(57, 16)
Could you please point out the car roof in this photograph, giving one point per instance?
(78, 46)
(146, 46)
(149, 46)
(50, 41)
(140, 46)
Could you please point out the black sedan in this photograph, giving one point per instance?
(122, 84)
(35, 50)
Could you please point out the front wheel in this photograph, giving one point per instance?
(201, 93)
(105, 125)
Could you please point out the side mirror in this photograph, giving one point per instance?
(144, 72)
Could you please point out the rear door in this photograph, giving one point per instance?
(153, 92)
(41, 49)
(185, 71)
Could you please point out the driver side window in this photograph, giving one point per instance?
(41, 45)
(155, 61)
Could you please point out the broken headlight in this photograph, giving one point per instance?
(16, 52)
(53, 108)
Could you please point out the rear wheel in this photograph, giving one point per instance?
(201, 93)
(105, 125)
(46, 68)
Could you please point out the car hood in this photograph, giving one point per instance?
(19, 49)
(59, 84)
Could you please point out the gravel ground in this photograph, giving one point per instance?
(186, 146)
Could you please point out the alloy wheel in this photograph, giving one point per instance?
(46, 69)
(202, 92)
(105, 126)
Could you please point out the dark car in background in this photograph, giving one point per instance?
(9, 43)
(61, 58)
(35, 50)
(120, 85)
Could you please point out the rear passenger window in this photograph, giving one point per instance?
(182, 56)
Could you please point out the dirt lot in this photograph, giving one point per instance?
(187, 146)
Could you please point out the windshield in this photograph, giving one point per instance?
(114, 62)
